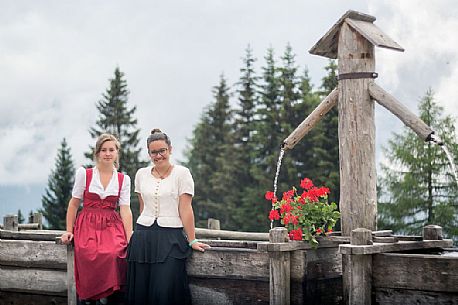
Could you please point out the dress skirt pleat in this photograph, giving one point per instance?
(157, 266)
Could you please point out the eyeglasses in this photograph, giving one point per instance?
(161, 152)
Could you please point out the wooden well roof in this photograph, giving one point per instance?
(327, 46)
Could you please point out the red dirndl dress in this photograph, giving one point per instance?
(100, 245)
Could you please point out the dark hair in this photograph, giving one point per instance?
(156, 135)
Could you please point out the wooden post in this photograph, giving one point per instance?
(37, 218)
(357, 271)
(358, 197)
(432, 232)
(213, 224)
(10, 222)
(71, 287)
(279, 269)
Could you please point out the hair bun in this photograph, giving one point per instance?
(156, 130)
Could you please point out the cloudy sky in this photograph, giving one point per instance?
(56, 58)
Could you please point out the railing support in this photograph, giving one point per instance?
(279, 262)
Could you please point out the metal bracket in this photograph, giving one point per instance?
(357, 75)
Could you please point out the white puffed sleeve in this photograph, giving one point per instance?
(80, 183)
(124, 196)
(138, 179)
(185, 183)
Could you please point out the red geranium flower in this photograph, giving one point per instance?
(269, 195)
(305, 215)
(273, 215)
(306, 183)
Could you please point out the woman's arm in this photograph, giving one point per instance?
(72, 209)
(126, 216)
(187, 218)
(140, 202)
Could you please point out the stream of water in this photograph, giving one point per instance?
(452, 164)
(277, 173)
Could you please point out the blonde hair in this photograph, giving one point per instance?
(105, 137)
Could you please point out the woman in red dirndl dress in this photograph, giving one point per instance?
(99, 232)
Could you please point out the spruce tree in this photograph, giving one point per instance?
(290, 117)
(417, 185)
(308, 152)
(239, 154)
(329, 161)
(206, 158)
(117, 118)
(267, 141)
(59, 189)
(20, 217)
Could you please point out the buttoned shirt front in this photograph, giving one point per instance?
(161, 196)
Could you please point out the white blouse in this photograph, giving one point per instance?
(161, 196)
(96, 186)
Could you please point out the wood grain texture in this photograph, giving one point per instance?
(27, 253)
(33, 280)
(356, 134)
(420, 272)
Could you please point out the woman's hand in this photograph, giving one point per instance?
(67, 238)
(198, 246)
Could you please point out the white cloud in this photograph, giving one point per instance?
(56, 59)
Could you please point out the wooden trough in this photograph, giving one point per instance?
(33, 269)
(376, 266)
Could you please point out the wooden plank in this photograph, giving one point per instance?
(319, 264)
(324, 242)
(372, 33)
(33, 280)
(225, 234)
(327, 46)
(21, 298)
(229, 263)
(399, 110)
(387, 296)
(27, 253)
(228, 291)
(397, 247)
(245, 244)
(31, 235)
(312, 119)
(417, 272)
(385, 239)
(382, 233)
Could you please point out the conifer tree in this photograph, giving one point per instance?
(205, 158)
(117, 118)
(329, 161)
(59, 189)
(308, 152)
(267, 141)
(289, 115)
(418, 187)
(239, 153)
(20, 217)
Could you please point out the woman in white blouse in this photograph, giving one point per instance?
(100, 234)
(165, 232)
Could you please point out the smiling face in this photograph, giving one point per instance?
(159, 152)
(108, 153)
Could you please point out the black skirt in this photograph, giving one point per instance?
(156, 272)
